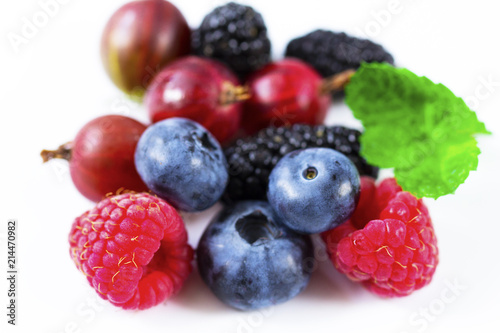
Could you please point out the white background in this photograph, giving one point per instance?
(55, 83)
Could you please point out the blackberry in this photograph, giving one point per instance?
(331, 53)
(236, 35)
(251, 159)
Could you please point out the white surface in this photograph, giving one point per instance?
(56, 83)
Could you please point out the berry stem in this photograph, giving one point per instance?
(63, 151)
(336, 82)
(233, 94)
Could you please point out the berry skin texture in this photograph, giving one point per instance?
(133, 250)
(250, 260)
(285, 92)
(331, 53)
(251, 159)
(235, 35)
(313, 190)
(181, 162)
(102, 157)
(140, 39)
(393, 253)
(191, 87)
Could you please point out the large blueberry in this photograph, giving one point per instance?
(181, 162)
(313, 190)
(250, 260)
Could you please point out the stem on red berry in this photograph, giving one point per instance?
(63, 151)
(336, 82)
(233, 94)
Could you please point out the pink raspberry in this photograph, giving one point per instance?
(133, 250)
(389, 244)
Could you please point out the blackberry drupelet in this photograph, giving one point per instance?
(331, 53)
(236, 35)
(252, 159)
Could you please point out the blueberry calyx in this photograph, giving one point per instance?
(205, 141)
(255, 228)
(310, 173)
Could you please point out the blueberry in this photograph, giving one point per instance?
(250, 260)
(314, 190)
(181, 162)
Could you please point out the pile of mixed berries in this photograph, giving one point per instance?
(230, 124)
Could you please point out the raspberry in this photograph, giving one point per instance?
(251, 159)
(392, 253)
(235, 35)
(133, 250)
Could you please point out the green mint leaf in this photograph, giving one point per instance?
(419, 128)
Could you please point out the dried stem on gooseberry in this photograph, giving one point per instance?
(336, 82)
(63, 151)
(233, 94)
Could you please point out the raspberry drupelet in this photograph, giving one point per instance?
(133, 250)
